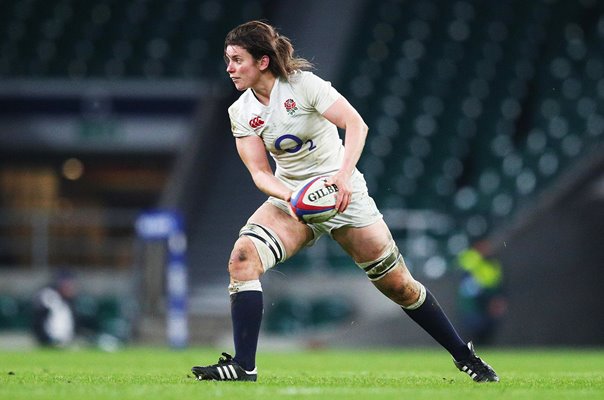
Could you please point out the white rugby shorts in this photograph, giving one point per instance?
(362, 210)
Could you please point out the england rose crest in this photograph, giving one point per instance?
(290, 106)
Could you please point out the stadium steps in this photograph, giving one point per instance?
(468, 136)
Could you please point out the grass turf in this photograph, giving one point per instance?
(156, 373)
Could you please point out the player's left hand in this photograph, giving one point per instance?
(344, 195)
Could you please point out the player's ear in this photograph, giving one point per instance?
(263, 62)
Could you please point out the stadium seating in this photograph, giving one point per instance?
(15, 313)
(111, 39)
(297, 314)
(474, 108)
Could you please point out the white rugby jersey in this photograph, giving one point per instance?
(301, 141)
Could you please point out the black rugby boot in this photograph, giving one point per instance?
(225, 370)
(478, 370)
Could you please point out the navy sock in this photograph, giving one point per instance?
(246, 314)
(433, 320)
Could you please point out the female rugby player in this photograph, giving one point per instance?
(292, 114)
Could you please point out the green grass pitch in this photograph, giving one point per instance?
(157, 373)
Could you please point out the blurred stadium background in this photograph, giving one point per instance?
(486, 123)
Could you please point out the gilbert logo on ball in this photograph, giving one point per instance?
(313, 201)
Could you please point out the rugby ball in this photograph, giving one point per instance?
(313, 202)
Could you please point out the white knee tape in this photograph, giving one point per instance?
(377, 269)
(245, 286)
(267, 243)
(420, 300)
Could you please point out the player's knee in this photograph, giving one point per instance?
(390, 275)
(268, 246)
(401, 288)
(244, 262)
(382, 266)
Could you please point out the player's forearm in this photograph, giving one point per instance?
(271, 186)
(354, 142)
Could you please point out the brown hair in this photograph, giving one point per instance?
(261, 39)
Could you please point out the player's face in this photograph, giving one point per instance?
(242, 68)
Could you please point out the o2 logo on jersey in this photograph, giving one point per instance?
(284, 142)
(256, 122)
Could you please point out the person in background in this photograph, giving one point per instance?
(481, 300)
(54, 322)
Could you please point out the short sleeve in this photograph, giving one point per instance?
(239, 128)
(318, 92)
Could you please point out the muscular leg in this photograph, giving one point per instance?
(246, 303)
(426, 312)
(245, 268)
(373, 242)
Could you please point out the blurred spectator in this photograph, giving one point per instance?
(481, 299)
(54, 321)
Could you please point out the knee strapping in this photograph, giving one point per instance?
(243, 286)
(267, 243)
(377, 269)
